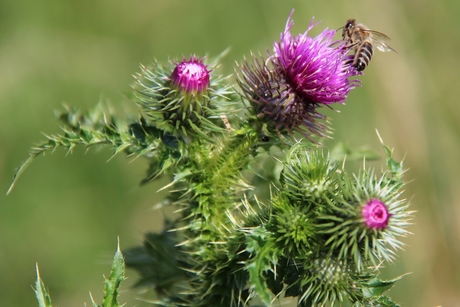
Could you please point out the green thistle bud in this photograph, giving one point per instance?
(321, 282)
(181, 99)
(365, 218)
(293, 227)
(307, 173)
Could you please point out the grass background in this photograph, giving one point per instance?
(67, 211)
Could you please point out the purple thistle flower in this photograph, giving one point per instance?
(375, 214)
(303, 74)
(317, 71)
(191, 76)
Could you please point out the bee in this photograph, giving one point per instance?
(362, 40)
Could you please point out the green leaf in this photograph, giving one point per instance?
(396, 168)
(392, 165)
(43, 298)
(385, 301)
(177, 177)
(376, 287)
(262, 262)
(90, 129)
(112, 284)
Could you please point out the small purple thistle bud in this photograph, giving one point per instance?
(191, 76)
(375, 214)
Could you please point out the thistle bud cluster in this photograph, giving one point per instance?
(329, 231)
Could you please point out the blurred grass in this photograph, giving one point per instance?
(66, 211)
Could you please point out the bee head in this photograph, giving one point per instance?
(350, 23)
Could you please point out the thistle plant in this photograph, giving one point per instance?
(321, 236)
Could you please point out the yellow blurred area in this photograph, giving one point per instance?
(66, 211)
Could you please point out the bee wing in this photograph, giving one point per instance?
(382, 46)
(379, 41)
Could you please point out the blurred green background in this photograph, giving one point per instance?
(67, 211)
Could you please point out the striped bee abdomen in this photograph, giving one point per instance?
(363, 56)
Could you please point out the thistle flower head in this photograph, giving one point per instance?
(191, 76)
(375, 214)
(366, 218)
(301, 75)
(182, 99)
(316, 68)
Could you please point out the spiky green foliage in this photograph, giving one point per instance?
(157, 262)
(98, 127)
(111, 286)
(312, 243)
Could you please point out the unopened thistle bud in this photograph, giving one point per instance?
(177, 99)
(191, 77)
(302, 74)
(307, 174)
(366, 218)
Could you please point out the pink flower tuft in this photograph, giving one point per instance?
(375, 214)
(191, 76)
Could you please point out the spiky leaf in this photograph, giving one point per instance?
(376, 287)
(112, 284)
(263, 261)
(43, 297)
